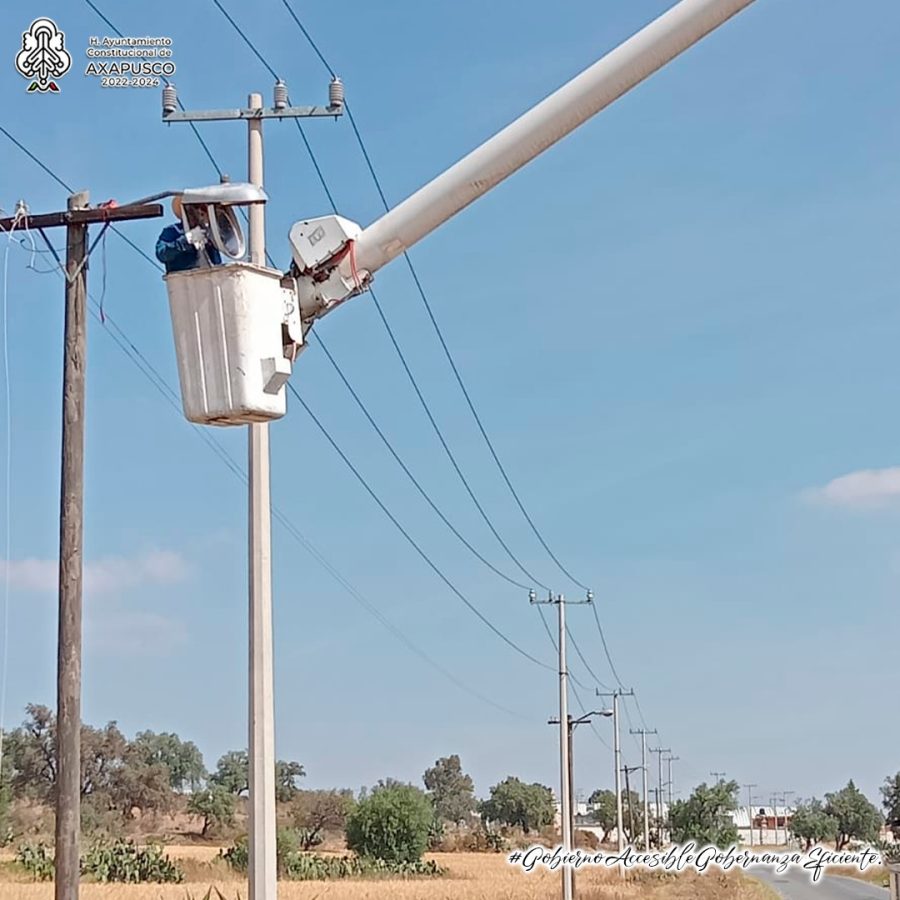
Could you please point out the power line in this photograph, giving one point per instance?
(612, 667)
(584, 662)
(424, 297)
(584, 711)
(410, 475)
(194, 128)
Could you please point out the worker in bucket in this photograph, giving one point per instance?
(179, 250)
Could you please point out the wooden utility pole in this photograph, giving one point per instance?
(71, 544)
(76, 219)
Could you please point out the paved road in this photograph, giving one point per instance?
(795, 885)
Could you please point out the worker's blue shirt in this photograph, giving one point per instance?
(177, 253)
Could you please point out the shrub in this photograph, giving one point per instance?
(123, 861)
(586, 840)
(36, 860)
(391, 824)
(479, 839)
(297, 866)
(435, 834)
(238, 855)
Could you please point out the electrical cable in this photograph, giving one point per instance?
(410, 475)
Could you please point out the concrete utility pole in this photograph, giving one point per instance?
(617, 752)
(76, 219)
(787, 834)
(659, 751)
(565, 759)
(573, 723)
(671, 784)
(784, 795)
(262, 863)
(750, 809)
(719, 776)
(643, 733)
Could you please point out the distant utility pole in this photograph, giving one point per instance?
(787, 834)
(750, 810)
(565, 750)
(719, 776)
(573, 724)
(659, 751)
(643, 733)
(784, 795)
(670, 759)
(262, 865)
(618, 759)
(76, 219)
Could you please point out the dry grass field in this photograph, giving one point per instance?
(472, 876)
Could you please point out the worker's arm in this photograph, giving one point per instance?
(172, 243)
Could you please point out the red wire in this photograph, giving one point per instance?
(353, 268)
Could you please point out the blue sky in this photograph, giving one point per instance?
(679, 326)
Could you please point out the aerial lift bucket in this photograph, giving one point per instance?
(230, 322)
(227, 322)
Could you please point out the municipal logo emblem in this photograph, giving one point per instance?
(43, 56)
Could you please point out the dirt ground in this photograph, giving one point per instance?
(472, 876)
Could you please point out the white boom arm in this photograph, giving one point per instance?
(506, 152)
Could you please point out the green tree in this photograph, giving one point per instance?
(603, 804)
(812, 825)
(233, 774)
(451, 790)
(512, 802)
(31, 750)
(136, 784)
(391, 823)
(632, 815)
(705, 816)
(216, 805)
(316, 812)
(286, 775)
(183, 759)
(856, 816)
(890, 800)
